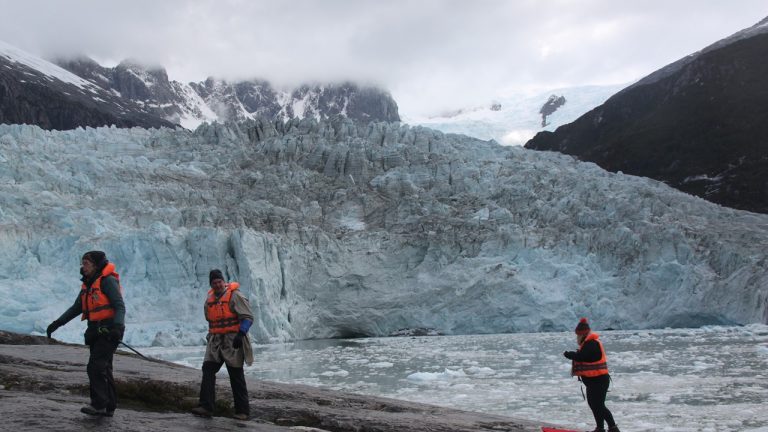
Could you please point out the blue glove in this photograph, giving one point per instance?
(245, 325)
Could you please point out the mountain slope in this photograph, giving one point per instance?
(190, 104)
(35, 91)
(699, 124)
(78, 92)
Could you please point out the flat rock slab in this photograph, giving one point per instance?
(25, 411)
(43, 384)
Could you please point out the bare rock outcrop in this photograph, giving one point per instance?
(43, 383)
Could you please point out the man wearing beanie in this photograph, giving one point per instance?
(100, 301)
(590, 364)
(229, 317)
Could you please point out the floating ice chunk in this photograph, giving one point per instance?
(447, 374)
(338, 373)
(381, 365)
(475, 370)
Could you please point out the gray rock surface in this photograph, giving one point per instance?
(550, 106)
(45, 385)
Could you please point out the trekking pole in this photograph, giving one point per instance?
(105, 331)
(140, 354)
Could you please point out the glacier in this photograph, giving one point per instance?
(343, 229)
(515, 118)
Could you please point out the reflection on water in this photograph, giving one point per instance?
(682, 380)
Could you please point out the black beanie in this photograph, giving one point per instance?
(215, 274)
(582, 327)
(98, 258)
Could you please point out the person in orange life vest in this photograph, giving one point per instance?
(100, 301)
(590, 364)
(229, 317)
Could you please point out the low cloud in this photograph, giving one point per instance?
(433, 55)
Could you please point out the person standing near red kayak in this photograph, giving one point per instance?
(590, 364)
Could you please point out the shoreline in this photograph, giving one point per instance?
(43, 383)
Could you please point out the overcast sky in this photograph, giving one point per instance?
(431, 54)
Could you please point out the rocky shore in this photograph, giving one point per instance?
(43, 384)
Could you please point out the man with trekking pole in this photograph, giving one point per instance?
(100, 301)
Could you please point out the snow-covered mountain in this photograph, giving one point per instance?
(699, 124)
(147, 87)
(339, 229)
(190, 104)
(78, 92)
(34, 91)
(516, 118)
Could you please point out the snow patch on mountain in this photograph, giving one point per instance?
(194, 111)
(516, 118)
(19, 56)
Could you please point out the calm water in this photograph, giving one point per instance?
(711, 379)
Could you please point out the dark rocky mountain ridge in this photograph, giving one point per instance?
(28, 96)
(700, 125)
(220, 100)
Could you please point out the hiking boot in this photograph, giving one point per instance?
(241, 416)
(598, 429)
(110, 413)
(614, 428)
(202, 412)
(90, 410)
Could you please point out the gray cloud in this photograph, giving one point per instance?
(432, 54)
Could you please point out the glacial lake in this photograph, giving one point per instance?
(708, 379)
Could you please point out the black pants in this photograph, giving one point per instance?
(597, 388)
(236, 380)
(102, 382)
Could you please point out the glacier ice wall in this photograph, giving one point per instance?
(339, 229)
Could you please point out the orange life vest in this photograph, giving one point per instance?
(95, 304)
(221, 318)
(591, 369)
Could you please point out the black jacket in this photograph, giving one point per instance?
(589, 352)
(110, 288)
